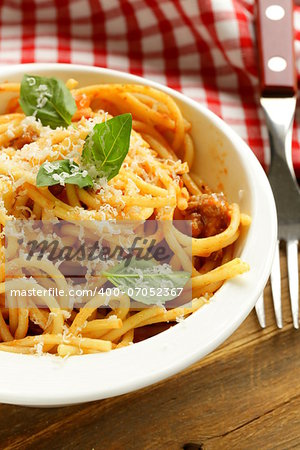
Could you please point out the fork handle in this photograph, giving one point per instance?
(275, 39)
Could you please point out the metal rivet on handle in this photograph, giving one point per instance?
(277, 64)
(275, 12)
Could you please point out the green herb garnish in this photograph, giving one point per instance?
(106, 147)
(48, 99)
(62, 172)
(103, 153)
(143, 280)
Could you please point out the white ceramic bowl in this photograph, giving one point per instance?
(49, 381)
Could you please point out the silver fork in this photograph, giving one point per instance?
(278, 101)
(279, 116)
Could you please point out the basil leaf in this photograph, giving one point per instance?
(48, 99)
(146, 274)
(62, 172)
(106, 146)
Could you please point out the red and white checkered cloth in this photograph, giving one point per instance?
(204, 48)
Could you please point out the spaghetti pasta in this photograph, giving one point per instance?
(154, 181)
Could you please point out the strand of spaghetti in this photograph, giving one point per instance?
(8, 195)
(159, 106)
(8, 129)
(53, 138)
(146, 129)
(171, 105)
(221, 273)
(207, 289)
(103, 228)
(11, 349)
(71, 83)
(141, 111)
(245, 220)
(200, 183)
(39, 275)
(121, 312)
(65, 350)
(12, 168)
(127, 339)
(72, 196)
(45, 265)
(211, 263)
(37, 211)
(2, 272)
(66, 212)
(5, 126)
(89, 200)
(4, 313)
(48, 299)
(145, 187)
(133, 213)
(206, 246)
(170, 237)
(92, 344)
(167, 153)
(213, 287)
(3, 217)
(69, 241)
(123, 307)
(54, 205)
(47, 214)
(56, 339)
(175, 262)
(182, 199)
(150, 102)
(21, 200)
(85, 313)
(132, 322)
(15, 132)
(23, 322)
(173, 314)
(86, 112)
(13, 314)
(102, 324)
(38, 316)
(173, 108)
(153, 202)
(163, 152)
(53, 147)
(4, 330)
(9, 87)
(5, 118)
(192, 187)
(189, 151)
(93, 316)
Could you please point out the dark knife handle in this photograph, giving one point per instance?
(275, 38)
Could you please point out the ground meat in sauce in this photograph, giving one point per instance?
(27, 137)
(209, 214)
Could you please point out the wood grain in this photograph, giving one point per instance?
(245, 395)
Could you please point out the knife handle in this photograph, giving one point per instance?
(275, 39)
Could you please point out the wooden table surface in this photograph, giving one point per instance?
(245, 395)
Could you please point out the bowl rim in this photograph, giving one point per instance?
(28, 380)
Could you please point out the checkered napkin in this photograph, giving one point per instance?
(204, 48)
